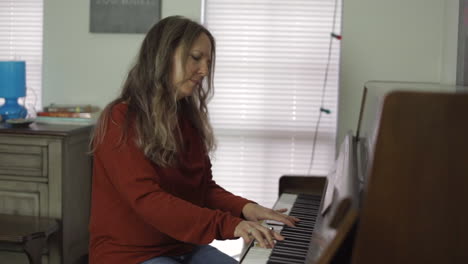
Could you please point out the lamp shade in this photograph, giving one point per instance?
(12, 79)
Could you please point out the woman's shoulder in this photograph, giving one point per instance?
(120, 107)
(119, 111)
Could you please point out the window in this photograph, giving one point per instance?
(270, 82)
(21, 39)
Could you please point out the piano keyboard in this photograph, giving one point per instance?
(292, 250)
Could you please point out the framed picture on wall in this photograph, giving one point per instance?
(123, 16)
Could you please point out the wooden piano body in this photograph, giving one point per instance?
(417, 184)
(402, 184)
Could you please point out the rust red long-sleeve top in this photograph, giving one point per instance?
(141, 210)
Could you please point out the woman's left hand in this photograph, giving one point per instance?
(255, 212)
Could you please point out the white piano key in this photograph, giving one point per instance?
(286, 200)
(257, 255)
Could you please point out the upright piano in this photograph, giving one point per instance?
(394, 193)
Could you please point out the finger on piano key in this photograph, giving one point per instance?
(285, 201)
(295, 247)
(282, 210)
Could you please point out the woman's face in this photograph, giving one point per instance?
(197, 66)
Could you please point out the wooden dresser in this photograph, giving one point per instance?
(45, 170)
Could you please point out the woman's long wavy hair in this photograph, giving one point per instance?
(152, 100)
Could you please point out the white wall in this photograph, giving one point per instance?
(83, 67)
(405, 40)
(450, 42)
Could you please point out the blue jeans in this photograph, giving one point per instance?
(204, 254)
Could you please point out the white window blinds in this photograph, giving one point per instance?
(272, 57)
(21, 39)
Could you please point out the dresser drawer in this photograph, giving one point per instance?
(23, 160)
(24, 198)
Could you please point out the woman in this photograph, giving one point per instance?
(154, 200)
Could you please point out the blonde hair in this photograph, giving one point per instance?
(151, 97)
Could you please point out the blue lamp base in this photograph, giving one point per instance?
(11, 109)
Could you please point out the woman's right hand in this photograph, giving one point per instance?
(249, 230)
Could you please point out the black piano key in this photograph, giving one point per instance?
(305, 224)
(311, 213)
(309, 217)
(293, 250)
(292, 247)
(285, 261)
(296, 234)
(307, 203)
(299, 229)
(296, 243)
(291, 257)
(304, 213)
(305, 207)
(308, 211)
(302, 201)
(281, 260)
(309, 197)
(295, 238)
(304, 210)
(293, 241)
(288, 250)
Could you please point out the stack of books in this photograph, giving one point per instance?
(69, 114)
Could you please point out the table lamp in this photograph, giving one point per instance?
(12, 86)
